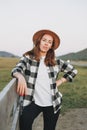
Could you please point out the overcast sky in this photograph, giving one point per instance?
(20, 19)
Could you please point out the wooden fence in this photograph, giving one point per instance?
(9, 108)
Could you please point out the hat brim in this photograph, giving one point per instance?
(53, 34)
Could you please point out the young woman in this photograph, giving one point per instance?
(37, 74)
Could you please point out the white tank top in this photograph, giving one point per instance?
(42, 94)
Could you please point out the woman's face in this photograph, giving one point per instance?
(46, 43)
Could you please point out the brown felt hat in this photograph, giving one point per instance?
(53, 34)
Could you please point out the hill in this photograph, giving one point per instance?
(80, 55)
(7, 54)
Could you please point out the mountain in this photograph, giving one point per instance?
(7, 54)
(80, 55)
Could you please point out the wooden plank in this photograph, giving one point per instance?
(8, 103)
(15, 123)
(9, 108)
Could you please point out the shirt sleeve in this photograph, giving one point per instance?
(69, 70)
(20, 67)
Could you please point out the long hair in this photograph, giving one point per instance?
(35, 53)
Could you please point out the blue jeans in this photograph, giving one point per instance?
(31, 111)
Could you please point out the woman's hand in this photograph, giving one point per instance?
(22, 85)
(60, 81)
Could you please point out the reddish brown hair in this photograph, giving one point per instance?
(35, 53)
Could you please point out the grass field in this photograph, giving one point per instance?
(6, 65)
(74, 94)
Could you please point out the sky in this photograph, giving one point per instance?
(20, 19)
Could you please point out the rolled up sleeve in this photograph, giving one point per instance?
(69, 70)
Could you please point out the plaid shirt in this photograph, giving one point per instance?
(29, 69)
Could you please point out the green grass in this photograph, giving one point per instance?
(74, 94)
(6, 65)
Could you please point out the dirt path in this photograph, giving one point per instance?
(74, 119)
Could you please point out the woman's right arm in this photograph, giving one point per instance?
(19, 72)
(22, 85)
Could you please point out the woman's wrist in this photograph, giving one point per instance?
(17, 75)
(61, 80)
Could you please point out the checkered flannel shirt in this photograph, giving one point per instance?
(29, 69)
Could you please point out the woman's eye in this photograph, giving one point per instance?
(50, 42)
(43, 40)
